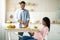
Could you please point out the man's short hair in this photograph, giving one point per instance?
(22, 2)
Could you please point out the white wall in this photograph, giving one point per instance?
(2, 18)
(2, 10)
(58, 12)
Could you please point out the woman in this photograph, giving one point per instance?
(42, 34)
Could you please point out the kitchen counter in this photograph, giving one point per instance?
(20, 30)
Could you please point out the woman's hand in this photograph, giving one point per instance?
(31, 31)
(38, 30)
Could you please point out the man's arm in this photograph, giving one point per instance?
(18, 16)
(28, 19)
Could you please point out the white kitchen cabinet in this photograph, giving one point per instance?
(54, 32)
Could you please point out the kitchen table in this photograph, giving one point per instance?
(8, 31)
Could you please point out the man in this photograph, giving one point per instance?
(22, 16)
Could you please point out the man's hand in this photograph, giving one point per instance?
(25, 25)
(20, 21)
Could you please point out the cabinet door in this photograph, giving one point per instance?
(55, 32)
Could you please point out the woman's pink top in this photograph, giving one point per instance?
(40, 35)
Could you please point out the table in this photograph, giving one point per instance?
(8, 31)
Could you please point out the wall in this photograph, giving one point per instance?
(2, 18)
(58, 12)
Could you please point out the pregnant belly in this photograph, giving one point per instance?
(38, 36)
